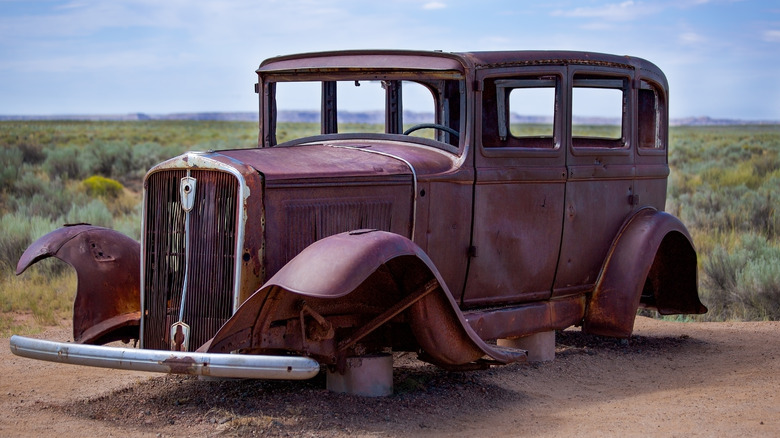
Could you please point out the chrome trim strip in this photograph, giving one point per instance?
(245, 366)
(187, 200)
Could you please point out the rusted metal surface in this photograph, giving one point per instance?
(521, 320)
(107, 304)
(362, 59)
(349, 273)
(661, 238)
(477, 233)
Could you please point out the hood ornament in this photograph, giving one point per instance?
(187, 192)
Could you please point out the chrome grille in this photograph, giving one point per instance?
(210, 281)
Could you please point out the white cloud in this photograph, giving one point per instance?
(626, 11)
(772, 36)
(598, 26)
(691, 38)
(434, 5)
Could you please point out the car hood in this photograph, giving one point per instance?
(344, 159)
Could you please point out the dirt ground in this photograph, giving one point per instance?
(670, 379)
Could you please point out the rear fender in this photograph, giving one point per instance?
(107, 306)
(652, 253)
(380, 275)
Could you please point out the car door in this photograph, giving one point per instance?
(519, 185)
(600, 173)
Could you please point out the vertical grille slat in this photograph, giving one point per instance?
(212, 244)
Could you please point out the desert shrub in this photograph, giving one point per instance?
(98, 186)
(19, 231)
(29, 184)
(130, 224)
(95, 213)
(722, 268)
(35, 195)
(12, 161)
(63, 162)
(147, 154)
(759, 285)
(743, 282)
(108, 159)
(32, 152)
(43, 205)
(732, 208)
(726, 179)
(741, 174)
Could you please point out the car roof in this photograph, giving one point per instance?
(437, 60)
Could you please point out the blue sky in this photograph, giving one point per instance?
(722, 57)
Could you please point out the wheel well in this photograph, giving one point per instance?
(671, 286)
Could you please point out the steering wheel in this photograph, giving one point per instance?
(446, 129)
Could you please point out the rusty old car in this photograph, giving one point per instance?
(489, 196)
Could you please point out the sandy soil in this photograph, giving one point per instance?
(670, 379)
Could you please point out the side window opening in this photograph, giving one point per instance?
(532, 112)
(521, 112)
(598, 112)
(650, 107)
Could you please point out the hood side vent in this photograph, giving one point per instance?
(312, 221)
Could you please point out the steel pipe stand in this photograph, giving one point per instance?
(540, 346)
(368, 376)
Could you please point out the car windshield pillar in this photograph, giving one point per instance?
(394, 120)
(329, 118)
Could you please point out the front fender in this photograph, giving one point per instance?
(654, 246)
(107, 306)
(369, 272)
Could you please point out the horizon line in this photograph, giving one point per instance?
(253, 116)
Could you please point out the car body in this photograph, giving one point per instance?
(475, 220)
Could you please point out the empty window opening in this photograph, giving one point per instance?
(598, 109)
(525, 112)
(650, 109)
(531, 112)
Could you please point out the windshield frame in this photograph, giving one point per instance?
(434, 80)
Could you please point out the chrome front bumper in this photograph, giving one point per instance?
(244, 366)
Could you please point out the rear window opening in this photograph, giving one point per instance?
(651, 109)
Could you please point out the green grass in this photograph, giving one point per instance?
(46, 298)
